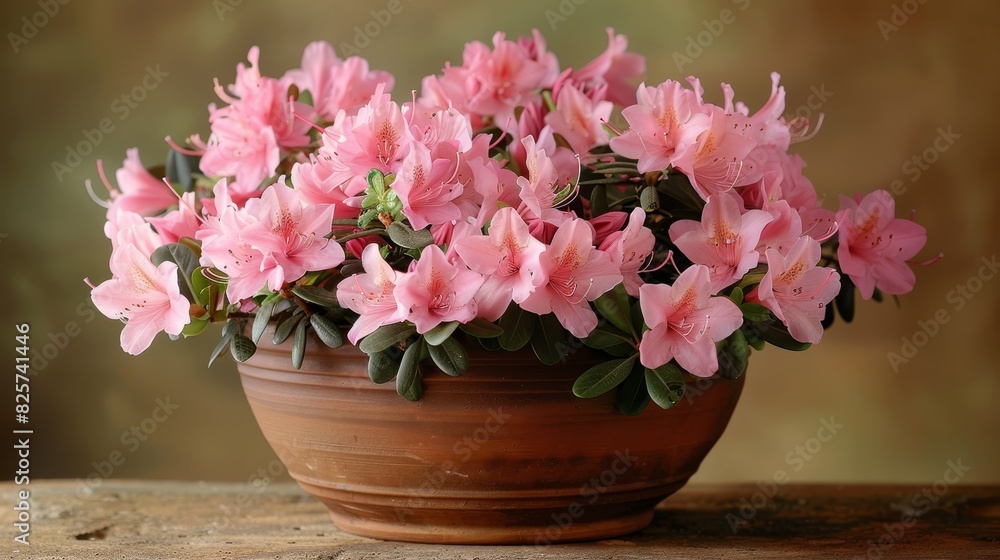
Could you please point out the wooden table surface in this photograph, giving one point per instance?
(152, 520)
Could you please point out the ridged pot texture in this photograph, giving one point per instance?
(503, 454)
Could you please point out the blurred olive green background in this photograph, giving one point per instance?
(886, 98)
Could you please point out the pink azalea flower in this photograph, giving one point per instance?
(685, 322)
(615, 68)
(370, 295)
(317, 183)
(241, 149)
(875, 245)
(146, 297)
(724, 241)
(665, 120)
(373, 139)
(437, 291)
(576, 273)
(291, 235)
(630, 248)
(607, 224)
(128, 228)
(427, 188)
(139, 191)
(223, 247)
(579, 119)
(796, 290)
(494, 82)
(182, 222)
(336, 85)
(719, 159)
(509, 259)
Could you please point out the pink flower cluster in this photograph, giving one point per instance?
(488, 159)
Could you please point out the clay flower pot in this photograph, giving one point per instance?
(504, 454)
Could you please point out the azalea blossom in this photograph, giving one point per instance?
(875, 245)
(724, 241)
(719, 158)
(336, 85)
(685, 322)
(437, 291)
(370, 295)
(629, 249)
(796, 290)
(509, 259)
(139, 191)
(146, 297)
(665, 120)
(576, 273)
(579, 119)
(614, 69)
(291, 235)
(427, 188)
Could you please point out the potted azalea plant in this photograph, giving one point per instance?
(529, 274)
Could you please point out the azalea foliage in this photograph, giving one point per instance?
(498, 207)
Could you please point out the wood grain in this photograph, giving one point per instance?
(181, 520)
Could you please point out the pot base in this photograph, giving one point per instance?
(526, 522)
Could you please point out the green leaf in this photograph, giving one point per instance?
(201, 288)
(518, 326)
(450, 356)
(228, 332)
(599, 200)
(733, 355)
(316, 295)
(440, 333)
(299, 344)
(603, 377)
(367, 216)
(613, 306)
(263, 317)
(736, 296)
(382, 367)
(481, 328)
(186, 262)
(408, 375)
(196, 326)
(242, 348)
(753, 311)
(778, 336)
(845, 299)
(491, 344)
(665, 385)
(605, 336)
(376, 180)
(649, 199)
(386, 336)
(179, 168)
(285, 328)
(549, 340)
(621, 350)
(632, 396)
(404, 236)
(326, 330)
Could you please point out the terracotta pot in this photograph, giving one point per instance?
(504, 454)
